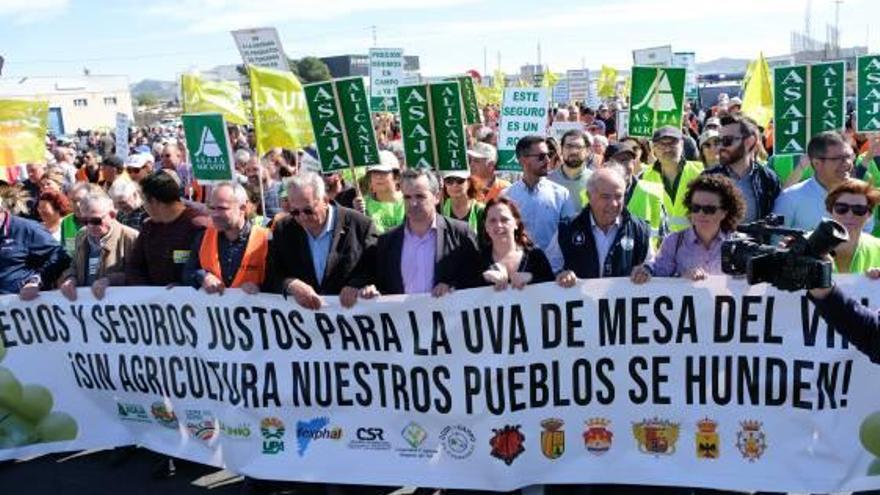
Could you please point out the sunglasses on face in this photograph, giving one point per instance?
(729, 140)
(94, 221)
(539, 156)
(844, 208)
(133, 170)
(295, 212)
(707, 209)
(454, 180)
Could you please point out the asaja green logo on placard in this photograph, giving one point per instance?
(208, 146)
(657, 99)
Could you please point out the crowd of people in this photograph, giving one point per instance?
(592, 205)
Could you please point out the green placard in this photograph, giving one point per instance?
(507, 161)
(358, 122)
(827, 97)
(790, 110)
(208, 147)
(340, 116)
(432, 126)
(415, 126)
(446, 106)
(328, 127)
(657, 99)
(868, 94)
(468, 99)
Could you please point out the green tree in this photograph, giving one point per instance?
(310, 69)
(147, 100)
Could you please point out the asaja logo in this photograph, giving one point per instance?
(597, 436)
(201, 424)
(272, 430)
(656, 436)
(507, 443)
(235, 431)
(130, 411)
(313, 430)
(458, 441)
(164, 415)
(552, 438)
(414, 434)
(708, 446)
(750, 440)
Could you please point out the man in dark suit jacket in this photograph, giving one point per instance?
(320, 248)
(428, 252)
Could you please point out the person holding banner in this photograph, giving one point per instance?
(542, 202)
(232, 252)
(715, 207)
(30, 259)
(461, 192)
(429, 253)
(604, 240)
(320, 248)
(510, 259)
(850, 204)
(101, 248)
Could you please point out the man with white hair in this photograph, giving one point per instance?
(129, 203)
(604, 240)
(319, 249)
(101, 248)
(232, 252)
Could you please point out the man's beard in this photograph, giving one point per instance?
(732, 156)
(573, 162)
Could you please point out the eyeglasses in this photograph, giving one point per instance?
(454, 180)
(94, 221)
(134, 170)
(539, 156)
(715, 143)
(574, 147)
(707, 209)
(666, 143)
(295, 212)
(836, 159)
(844, 208)
(729, 140)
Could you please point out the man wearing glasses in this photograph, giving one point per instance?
(542, 203)
(803, 204)
(759, 185)
(101, 248)
(319, 248)
(577, 162)
(658, 198)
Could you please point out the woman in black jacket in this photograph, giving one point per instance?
(508, 256)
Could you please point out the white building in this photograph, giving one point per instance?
(75, 102)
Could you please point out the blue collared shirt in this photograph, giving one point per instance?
(542, 208)
(320, 245)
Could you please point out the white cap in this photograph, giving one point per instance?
(462, 174)
(387, 162)
(138, 160)
(483, 150)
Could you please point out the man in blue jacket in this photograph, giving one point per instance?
(30, 259)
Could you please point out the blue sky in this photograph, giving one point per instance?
(159, 39)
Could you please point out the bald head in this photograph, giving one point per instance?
(606, 177)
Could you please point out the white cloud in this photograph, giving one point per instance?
(29, 11)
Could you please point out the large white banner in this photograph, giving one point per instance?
(712, 384)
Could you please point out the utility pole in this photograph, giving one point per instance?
(485, 61)
(373, 27)
(837, 28)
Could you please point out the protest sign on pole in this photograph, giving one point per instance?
(790, 110)
(660, 56)
(688, 60)
(827, 91)
(261, 47)
(868, 94)
(558, 129)
(469, 99)
(281, 118)
(622, 122)
(343, 126)
(23, 126)
(121, 134)
(578, 84)
(523, 112)
(204, 96)
(432, 126)
(657, 99)
(561, 93)
(712, 384)
(207, 144)
(386, 73)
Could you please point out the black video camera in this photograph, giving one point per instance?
(800, 265)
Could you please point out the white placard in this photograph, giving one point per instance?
(261, 47)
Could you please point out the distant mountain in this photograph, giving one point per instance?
(723, 66)
(163, 90)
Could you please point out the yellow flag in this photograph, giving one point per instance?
(627, 84)
(488, 95)
(607, 82)
(202, 96)
(281, 117)
(758, 93)
(498, 80)
(23, 125)
(550, 79)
